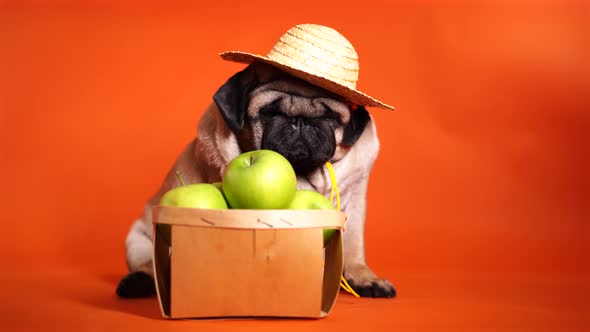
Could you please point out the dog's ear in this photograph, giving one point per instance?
(232, 97)
(355, 127)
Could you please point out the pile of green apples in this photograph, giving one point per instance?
(261, 179)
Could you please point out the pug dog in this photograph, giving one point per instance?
(262, 107)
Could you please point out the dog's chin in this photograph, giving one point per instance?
(304, 164)
(307, 168)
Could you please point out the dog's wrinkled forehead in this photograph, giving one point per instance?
(296, 98)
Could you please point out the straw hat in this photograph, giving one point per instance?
(316, 54)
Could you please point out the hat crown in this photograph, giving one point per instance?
(320, 51)
(319, 55)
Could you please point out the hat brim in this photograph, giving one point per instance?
(352, 95)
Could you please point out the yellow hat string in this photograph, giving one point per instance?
(343, 283)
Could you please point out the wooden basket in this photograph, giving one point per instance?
(246, 263)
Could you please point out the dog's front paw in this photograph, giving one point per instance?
(366, 283)
(136, 284)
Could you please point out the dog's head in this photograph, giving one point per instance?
(269, 109)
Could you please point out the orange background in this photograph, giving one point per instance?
(478, 204)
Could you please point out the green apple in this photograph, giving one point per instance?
(198, 195)
(311, 200)
(218, 186)
(261, 179)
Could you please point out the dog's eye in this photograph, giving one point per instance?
(332, 117)
(270, 110)
(329, 114)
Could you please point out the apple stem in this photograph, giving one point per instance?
(179, 176)
(251, 159)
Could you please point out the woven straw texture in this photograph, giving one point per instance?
(319, 55)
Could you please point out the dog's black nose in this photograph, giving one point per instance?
(298, 123)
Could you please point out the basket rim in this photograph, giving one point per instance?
(248, 219)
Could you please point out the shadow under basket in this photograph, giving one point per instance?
(246, 263)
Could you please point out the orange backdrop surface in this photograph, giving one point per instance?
(478, 206)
